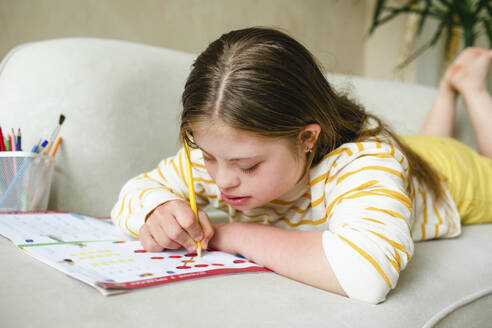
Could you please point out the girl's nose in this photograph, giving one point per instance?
(226, 179)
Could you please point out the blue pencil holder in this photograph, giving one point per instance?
(25, 181)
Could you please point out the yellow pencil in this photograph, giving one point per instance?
(191, 191)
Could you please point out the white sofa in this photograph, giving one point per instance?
(121, 101)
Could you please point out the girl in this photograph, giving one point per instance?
(316, 189)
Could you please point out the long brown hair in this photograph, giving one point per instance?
(263, 81)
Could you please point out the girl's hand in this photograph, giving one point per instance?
(469, 70)
(172, 225)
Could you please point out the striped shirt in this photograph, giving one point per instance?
(358, 195)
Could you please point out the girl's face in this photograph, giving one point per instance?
(249, 170)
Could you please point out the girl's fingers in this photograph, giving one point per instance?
(208, 230)
(160, 236)
(186, 218)
(147, 241)
(176, 233)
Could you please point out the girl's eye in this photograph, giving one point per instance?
(250, 169)
(207, 159)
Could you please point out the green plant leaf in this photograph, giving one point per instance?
(378, 9)
(487, 24)
(472, 16)
(423, 17)
(445, 3)
(424, 47)
(480, 5)
(488, 8)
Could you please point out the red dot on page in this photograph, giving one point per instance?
(201, 265)
(175, 256)
(191, 254)
(140, 251)
(239, 261)
(217, 264)
(157, 257)
(183, 267)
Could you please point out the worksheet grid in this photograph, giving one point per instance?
(128, 261)
(65, 226)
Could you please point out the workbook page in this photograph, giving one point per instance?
(33, 228)
(125, 264)
(97, 253)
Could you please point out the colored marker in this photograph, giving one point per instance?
(7, 145)
(43, 146)
(13, 146)
(2, 144)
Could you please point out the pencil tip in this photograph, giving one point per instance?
(61, 119)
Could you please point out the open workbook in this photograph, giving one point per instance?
(95, 252)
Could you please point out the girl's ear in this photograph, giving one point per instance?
(309, 135)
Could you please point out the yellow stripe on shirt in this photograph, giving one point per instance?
(402, 198)
(373, 220)
(422, 227)
(177, 171)
(283, 202)
(161, 174)
(154, 188)
(392, 243)
(372, 167)
(368, 258)
(122, 206)
(328, 209)
(181, 170)
(395, 265)
(438, 218)
(204, 181)
(384, 193)
(338, 151)
(389, 212)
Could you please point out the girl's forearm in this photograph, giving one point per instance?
(440, 119)
(297, 255)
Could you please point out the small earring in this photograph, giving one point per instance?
(309, 150)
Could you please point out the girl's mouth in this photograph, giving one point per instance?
(235, 201)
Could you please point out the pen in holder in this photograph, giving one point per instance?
(25, 181)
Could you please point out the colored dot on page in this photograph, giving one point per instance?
(157, 257)
(183, 267)
(140, 251)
